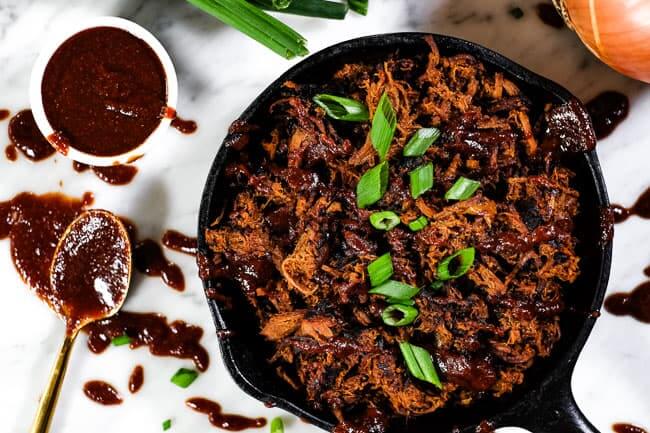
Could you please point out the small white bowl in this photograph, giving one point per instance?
(36, 100)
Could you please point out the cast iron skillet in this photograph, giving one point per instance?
(544, 403)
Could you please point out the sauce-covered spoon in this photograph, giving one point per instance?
(89, 280)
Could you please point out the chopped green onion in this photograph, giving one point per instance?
(166, 424)
(280, 4)
(277, 426)
(384, 220)
(393, 301)
(418, 224)
(395, 290)
(383, 127)
(465, 259)
(184, 377)
(419, 363)
(380, 270)
(340, 108)
(437, 285)
(421, 180)
(121, 340)
(307, 8)
(406, 315)
(257, 24)
(359, 6)
(420, 142)
(372, 185)
(462, 189)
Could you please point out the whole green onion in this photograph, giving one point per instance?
(407, 315)
(466, 260)
(340, 108)
(359, 6)
(462, 189)
(395, 290)
(184, 377)
(421, 180)
(384, 220)
(418, 224)
(419, 363)
(383, 126)
(380, 270)
(420, 142)
(372, 185)
(307, 8)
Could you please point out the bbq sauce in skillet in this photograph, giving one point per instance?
(177, 241)
(26, 137)
(640, 208)
(627, 428)
(607, 110)
(177, 339)
(549, 15)
(104, 92)
(222, 420)
(102, 393)
(136, 379)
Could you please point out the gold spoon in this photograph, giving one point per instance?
(89, 280)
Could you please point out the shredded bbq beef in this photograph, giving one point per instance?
(294, 241)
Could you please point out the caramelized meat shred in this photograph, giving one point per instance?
(294, 242)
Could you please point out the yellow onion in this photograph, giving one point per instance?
(616, 31)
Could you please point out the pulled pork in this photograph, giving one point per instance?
(293, 240)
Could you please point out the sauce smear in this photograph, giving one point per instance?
(26, 137)
(114, 174)
(635, 304)
(640, 208)
(183, 126)
(136, 379)
(627, 428)
(177, 339)
(11, 153)
(607, 111)
(221, 420)
(149, 259)
(102, 393)
(4, 113)
(104, 91)
(177, 241)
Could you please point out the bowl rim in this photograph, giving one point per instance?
(563, 368)
(60, 36)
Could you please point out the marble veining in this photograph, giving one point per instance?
(220, 72)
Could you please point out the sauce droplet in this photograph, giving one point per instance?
(136, 379)
(635, 304)
(627, 428)
(149, 259)
(102, 392)
(184, 126)
(25, 135)
(177, 241)
(10, 152)
(221, 420)
(607, 110)
(640, 208)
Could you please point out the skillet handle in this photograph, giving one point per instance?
(552, 410)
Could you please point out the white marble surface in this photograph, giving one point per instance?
(220, 72)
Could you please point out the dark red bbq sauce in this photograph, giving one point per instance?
(549, 15)
(372, 421)
(627, 428)
(222, 420)
(177, 241)
(607, 110)
(184, 126)
(136, 379)
(25, 135)
(11, 152)
(177, 339)
(640, 208)
(568, 130)
(606, 225)
(635, 303)
(90, 270)
(102, 393)
(4, 113)
(149, 259)
(104, 91)
(485, 427)
(34, 224)
(114, 174)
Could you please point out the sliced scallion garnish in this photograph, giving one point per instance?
(380, 270)
(166, 424)
(437, 285)
(399, 315)
(395, 290)
(277, 426)
(421, 179)
(184, 377)
(341, 108)
(384, 220)
(121, 340)
(462, 189)
(419, 363)
(359, 6)
(307, 8)
(372, 185)
(420, 142)
(465, 259)
(418, 224)
(383, 126)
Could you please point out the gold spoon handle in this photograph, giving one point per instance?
(46, 406)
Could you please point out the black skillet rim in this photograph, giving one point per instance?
(494, 59)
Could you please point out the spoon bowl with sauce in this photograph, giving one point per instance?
(89, 280)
